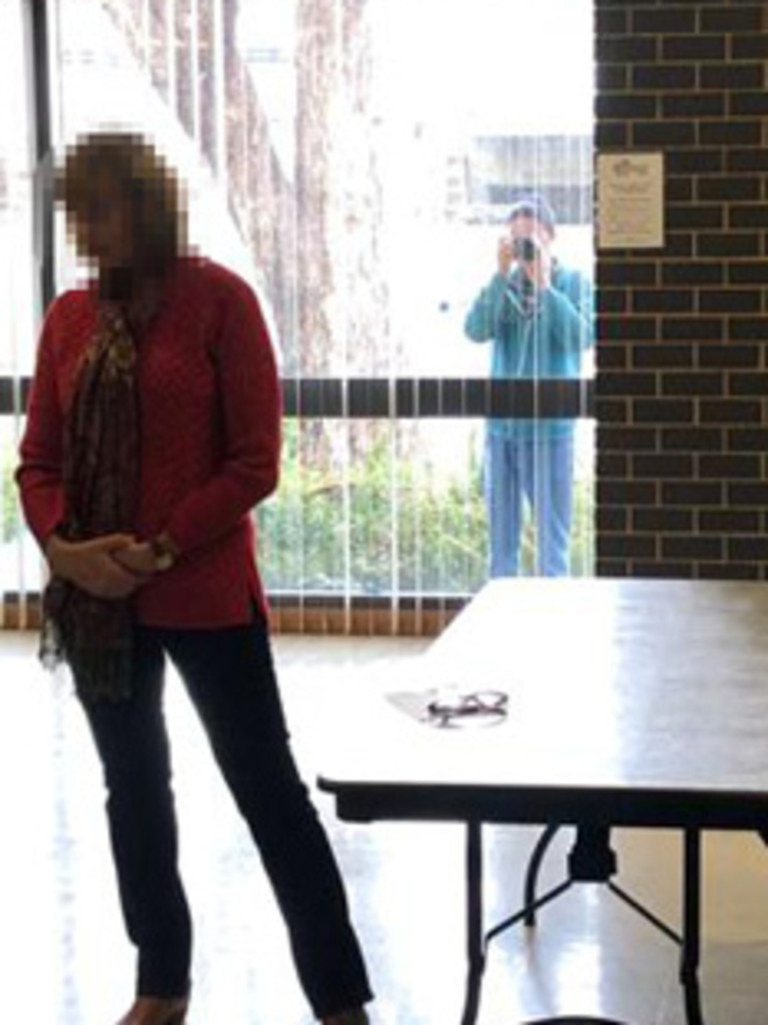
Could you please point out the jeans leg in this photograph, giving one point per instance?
(132, 744)
(230, 678)
(505, 505)
(553, 504)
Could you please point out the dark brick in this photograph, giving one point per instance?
(728, 18)
(729, 411)
(665, 77)
(661, 411)
(693, 105)
(621, 49)
(622, 273)
(691, 439)
(608, 411)
(638, 329)
(658, 356)
(712, 272)
(611, 464)
(627, 439)
(694, 384)
(748, 549)
(750, 439)
(704, 217)
(662, 570)
(679, 245)
(692, 493)
(727, 356)
(731, 76)
(611, 22)
(730, 133)
(695, 161)
(746, 104)
(611, 300)
(755, 494)
(625, 105)
(693, 48)
(660, 521)
(705, 329)
(612, 357)
(612, 76)
(625, 546)
(692, 548)
(748, 273)
(727, 521)
(625, 493)
(748, 215)
(737, 300)
(665, 133)
(748, 384)
(627, 385)
(611, 519)
(740, 160)
(728, 244)
(749, 46)
(679, 190)
(729, 467)
(727, 571)
(611, 568)
(664, 22)
(662, 300)
(744, 329)
(699, 273)
(661, 465)
(739, 187)
(611, 135)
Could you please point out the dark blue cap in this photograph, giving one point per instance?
(534, 205)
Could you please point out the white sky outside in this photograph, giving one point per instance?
(496, 67)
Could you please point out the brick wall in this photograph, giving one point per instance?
(682, 387)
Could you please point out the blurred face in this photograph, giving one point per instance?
(102, 226)
(525, 226)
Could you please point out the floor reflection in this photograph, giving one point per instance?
(66, 962)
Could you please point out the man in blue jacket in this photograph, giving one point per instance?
(538, 315)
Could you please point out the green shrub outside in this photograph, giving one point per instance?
(10, 512)
(387, 525)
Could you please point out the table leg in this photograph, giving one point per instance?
(532, 874)
(475, 948)
(691, 946)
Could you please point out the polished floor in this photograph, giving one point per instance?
(65, 962)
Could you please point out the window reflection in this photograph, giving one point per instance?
(358, 171)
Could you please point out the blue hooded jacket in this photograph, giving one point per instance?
(534, 337)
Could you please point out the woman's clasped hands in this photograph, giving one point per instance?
(110, 567)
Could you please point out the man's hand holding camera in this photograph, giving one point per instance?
(531, 254)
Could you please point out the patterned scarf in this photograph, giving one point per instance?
(100, 476)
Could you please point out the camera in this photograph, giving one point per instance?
(524, 249)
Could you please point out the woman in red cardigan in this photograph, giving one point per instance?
(153, 430)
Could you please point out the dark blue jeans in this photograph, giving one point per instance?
(536, 470)
(230, 679)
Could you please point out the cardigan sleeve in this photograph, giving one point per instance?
(483, 321)
(39, 475)
(250, 409)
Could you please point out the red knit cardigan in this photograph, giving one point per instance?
(209, 403)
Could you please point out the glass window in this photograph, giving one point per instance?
(395, 507)
(357, 161)
(17, 259)
(19, 308)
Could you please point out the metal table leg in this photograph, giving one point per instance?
(475, 946)
(691, 945)
(532, 874)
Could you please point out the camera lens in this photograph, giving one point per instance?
(524, 249)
